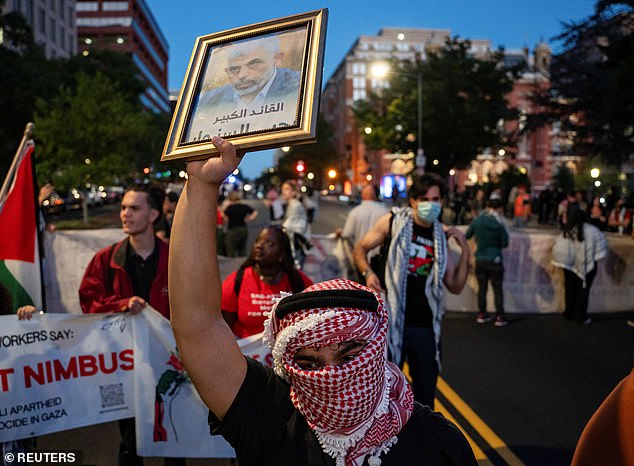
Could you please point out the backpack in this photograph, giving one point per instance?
(379, 261)
(295, 278)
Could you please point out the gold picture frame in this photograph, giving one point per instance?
(257, 86)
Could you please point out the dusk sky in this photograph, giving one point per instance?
(509, 23)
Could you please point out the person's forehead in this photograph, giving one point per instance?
(433, 191)
(135, 198)
(268, 234)
(245, 56)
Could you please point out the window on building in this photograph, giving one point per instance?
(358, 83)
(61, 35)
(358, 94)
(52, 31)
(28, 13)
(17, 6)
(87, 6)
(383, 46)
(70, 43)
(70, 17)
(402, 47)
(52, 5)
(43, 20)
(114, 6)
(359, 68)
(102, 22)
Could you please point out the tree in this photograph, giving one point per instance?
(318, 155)
(22, 79)
(463, 101)
(93, 133)
(591, 93)
(28, 76)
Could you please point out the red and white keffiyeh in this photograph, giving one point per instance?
(357, 408)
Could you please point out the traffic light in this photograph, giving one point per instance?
(300, 167)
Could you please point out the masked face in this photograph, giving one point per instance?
(427, 207)
(428, 211)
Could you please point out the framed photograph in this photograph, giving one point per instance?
(257, 86)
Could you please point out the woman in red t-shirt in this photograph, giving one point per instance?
(250, 291)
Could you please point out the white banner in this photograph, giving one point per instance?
(171, 420)
(61, 371)
(531, 283)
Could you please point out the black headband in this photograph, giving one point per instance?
(357, 299)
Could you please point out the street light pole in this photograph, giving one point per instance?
(420, 154)
(380, 70)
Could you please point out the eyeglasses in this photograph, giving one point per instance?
(252, 65)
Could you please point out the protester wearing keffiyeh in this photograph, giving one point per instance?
(357, 408)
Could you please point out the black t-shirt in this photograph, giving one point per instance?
(420, 265)
(236, 214)
(265, 429)
(142, 271)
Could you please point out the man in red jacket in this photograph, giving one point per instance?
(132, 273)
(127, 276)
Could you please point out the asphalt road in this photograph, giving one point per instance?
(522, 393)
(536, 382)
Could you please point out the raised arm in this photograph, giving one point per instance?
(456, 274)
(207, 346)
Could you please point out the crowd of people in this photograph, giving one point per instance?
(609, 211)
(336, 388)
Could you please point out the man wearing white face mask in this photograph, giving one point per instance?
(417, 266)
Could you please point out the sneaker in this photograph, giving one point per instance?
(630, 323)
(483, 318)
(588, 321)
(500, 322)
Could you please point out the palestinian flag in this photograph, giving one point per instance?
(20, 268)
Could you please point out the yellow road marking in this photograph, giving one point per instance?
(478, 424)
(483, 459)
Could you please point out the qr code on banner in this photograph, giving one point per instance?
(112, 395)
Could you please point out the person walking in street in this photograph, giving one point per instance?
(248, 294)
(417, 267)
(521, 207)
(295, 222)
(331, 396)
(237, 214)
(620, 218)
(360, 220)
(491, 237)
(577, 251)
(126, 277)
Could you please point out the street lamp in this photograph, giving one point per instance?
(381, 70)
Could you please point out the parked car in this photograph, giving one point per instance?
(114, 194)
(53, 204)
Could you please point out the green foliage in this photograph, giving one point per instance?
(512, 177)
(463, 100)
(106, 123)
(563, 178)
(94, 122)
(318, 156)
(592, 79)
